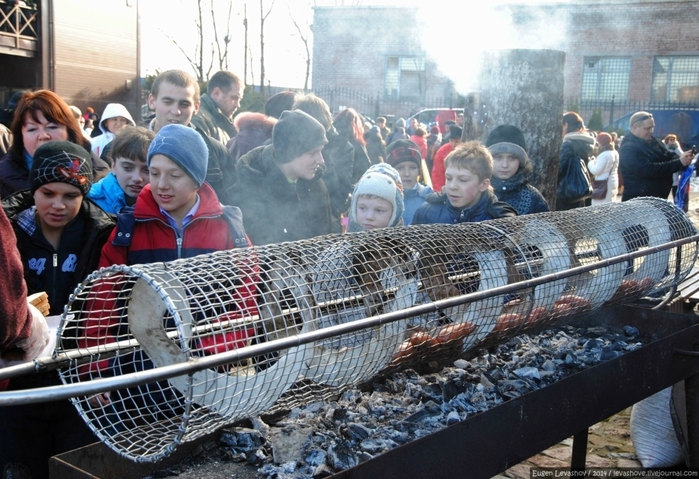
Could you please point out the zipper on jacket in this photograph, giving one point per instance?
(179, 245)
(53, 273)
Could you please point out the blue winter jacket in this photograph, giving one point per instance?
(413, 198)
(108, 194)
(437, 209)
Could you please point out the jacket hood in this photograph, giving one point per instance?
(249, 120)
(580, 136)
(113, 110)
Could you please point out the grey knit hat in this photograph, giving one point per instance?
(61, 162)
(508, 139)
(185, 147)
(296, 133)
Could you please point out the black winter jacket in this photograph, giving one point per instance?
(58, 272)
(274, 209)
(646, 167)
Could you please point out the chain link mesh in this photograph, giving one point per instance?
(128, 319)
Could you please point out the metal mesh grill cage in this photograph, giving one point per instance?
(513, 274)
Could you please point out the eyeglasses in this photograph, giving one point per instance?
(642, 118)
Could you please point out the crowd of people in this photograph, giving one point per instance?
(197, 178)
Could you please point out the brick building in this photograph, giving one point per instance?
(638, 53)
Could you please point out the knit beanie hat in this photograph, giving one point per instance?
(403, 150)
(62, 162)
(383, 181)
(185, 147)
(604, 138)
(508, 139)
(295, 133)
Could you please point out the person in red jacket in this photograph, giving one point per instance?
(176, 216)
(437, 172)
(22, 326)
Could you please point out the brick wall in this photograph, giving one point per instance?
(351, 43)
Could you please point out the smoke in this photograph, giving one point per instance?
(456, 41)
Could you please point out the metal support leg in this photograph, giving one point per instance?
(579, 456)
(691, 391)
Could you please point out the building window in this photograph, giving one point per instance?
(404, 77)
(606, 79)
(675, 79)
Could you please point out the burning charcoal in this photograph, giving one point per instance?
(230, 456)
(592, 344)
(548, 366)
(322, 470)
(450, 389)
(316, 457)
(631, 331)
(528, 372)
(608, 353)
(461, 364)
(358, 432)
(256, 458)
(486, 383)
(453, 417)
(340, 456)
(374, 446)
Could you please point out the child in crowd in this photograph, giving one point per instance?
(129, 176)
(377, 200)
(59, 235)
(467, 195)
(114, 118)
(437, 172)
(177, 215)
(511, 169)
(405, 157)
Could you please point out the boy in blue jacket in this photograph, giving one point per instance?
(467, 196)
(124, 183)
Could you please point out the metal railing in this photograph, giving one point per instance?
(19, 25)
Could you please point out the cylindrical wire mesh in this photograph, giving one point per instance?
(127, 319)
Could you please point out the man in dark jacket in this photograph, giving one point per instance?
(224, 92)
(175, 99)
(279, 188)
(646, 165)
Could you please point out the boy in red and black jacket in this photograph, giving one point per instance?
(176, 216)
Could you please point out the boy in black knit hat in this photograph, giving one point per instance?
(511, 169)
(59, 236)
(280, 187)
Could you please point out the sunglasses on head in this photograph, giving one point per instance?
(642, 118)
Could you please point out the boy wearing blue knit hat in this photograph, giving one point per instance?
(190, 218)
(177, 215)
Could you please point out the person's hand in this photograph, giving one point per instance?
(99, 400)
(38, 336)
(686, 157)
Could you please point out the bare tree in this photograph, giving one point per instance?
(197, 61)
(304, 39)
(263, 17)
(222, 52)
(245, 63)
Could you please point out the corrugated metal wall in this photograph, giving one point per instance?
(95, 53)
